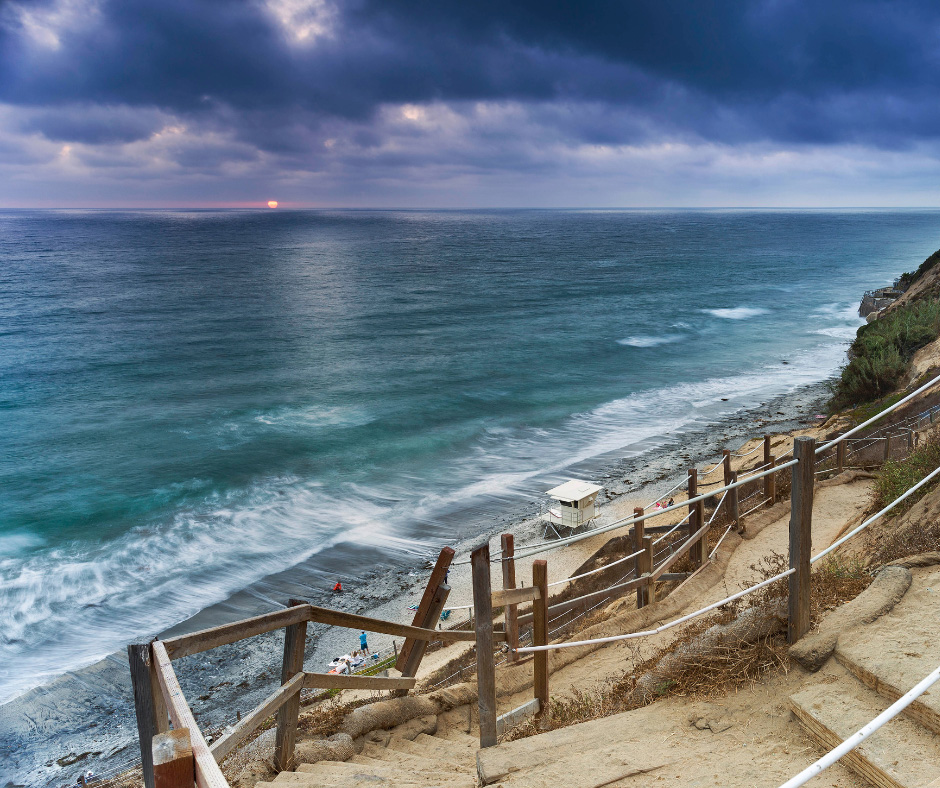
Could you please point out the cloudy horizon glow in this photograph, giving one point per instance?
(324, 103)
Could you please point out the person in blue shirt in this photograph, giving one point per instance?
(363, 643)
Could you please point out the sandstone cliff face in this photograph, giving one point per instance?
(925, 285)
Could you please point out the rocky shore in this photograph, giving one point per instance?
(84, 720)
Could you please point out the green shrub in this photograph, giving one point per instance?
(882, 350)
(898, 476)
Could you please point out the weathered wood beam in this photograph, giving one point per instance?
(208, 774)
(254, 718)
(339, 681)
(204, 639)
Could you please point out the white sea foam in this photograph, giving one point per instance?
(738, 312)
(67, 607)
(17, 543)
(649, 341)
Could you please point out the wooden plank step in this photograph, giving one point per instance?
(893, 653)
(310, 781)
(333, 775)
(454, 734)
(328, 769)
(440, 755)
(419, 762)
(900, 755)
(467, 746)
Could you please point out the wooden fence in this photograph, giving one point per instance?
(181, 756)
(159, 701)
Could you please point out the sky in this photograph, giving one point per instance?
(412, 103)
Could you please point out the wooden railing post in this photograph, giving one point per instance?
(413, 661)
(422, 615)
(840, 456)
(733, 500)
(887, 448)
(507, 542)
(637, 533)
(644, 565)
(540, 633)
(152, 717)
(801, 537)
(726, 462)
(486, 666)
(295, 641)
(173, 762)
(696, 521)
(648, 561)
(769, 481)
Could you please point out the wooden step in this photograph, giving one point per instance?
(902, 754)
(449, 748)
(891, 668)
(454, 757)
(418, 762)
(454, 734)
(300, 780)
(331, 769)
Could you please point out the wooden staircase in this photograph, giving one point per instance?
(446, 760)
(877, 664)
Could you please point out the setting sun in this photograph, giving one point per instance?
(272, 203)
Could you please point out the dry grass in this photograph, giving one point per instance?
(722, 670)
(325, 719)
(885, 548)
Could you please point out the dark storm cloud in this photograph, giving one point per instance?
(819, 72)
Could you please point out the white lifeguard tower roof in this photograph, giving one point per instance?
(573, 490)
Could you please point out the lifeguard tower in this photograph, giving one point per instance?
(577, 504)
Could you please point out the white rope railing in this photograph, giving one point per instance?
(666, 494)
(671, 530)
(711, 555)
(664, 627)
(595, 571)
(880, 415)
(864, 732)
(748, 453)
(746, 591)
(711, 470)
(646, 516)
(762, 503)
(875, 517)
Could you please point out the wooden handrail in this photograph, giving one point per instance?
(568, 604)
(204, 639)
(208, 773)
(686, 546)
(515, 596)
(322, 615)
(265, 709)
(339, 681)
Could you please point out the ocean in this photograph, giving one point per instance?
(195, 401)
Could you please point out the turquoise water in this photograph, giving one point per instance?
(192, 401)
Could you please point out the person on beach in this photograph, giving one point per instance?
(363, 643)
(671, 502)
(338, 587)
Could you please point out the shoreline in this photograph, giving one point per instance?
(84, 720)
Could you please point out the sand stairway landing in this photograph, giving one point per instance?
(877, 664)
(447, 760)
